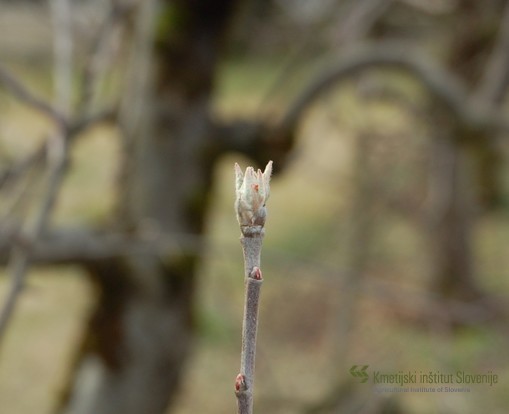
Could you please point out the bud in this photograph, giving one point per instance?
(252, 192)
(240, 383)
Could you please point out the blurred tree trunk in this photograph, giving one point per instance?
(140, 333)
(451, 221)
(456, 192)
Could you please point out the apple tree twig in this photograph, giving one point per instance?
(252, 192)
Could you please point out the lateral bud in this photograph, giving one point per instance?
(256, 273)
(240, 383)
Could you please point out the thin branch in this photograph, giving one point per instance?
(252, 192)
(21, 254)
(442, 84)
(353, 24)
(20, 92)
(38, 157)
(244, 383)
(99, 52)
(12, 173)
(18, 198)
(89, 120)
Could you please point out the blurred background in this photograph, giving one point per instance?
(387, 235)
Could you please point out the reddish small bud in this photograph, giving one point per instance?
(256, 273)
(240, 383)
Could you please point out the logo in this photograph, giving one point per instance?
(423, 381)
(360, 373)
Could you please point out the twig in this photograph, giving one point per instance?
(355, 23)
(21, 254)
(37, 158)
(16, 170)
(20, 92)
(100, 53)
(18, 197)
(252, 190)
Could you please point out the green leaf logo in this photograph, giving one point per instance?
(360, 373)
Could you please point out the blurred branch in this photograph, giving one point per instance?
(20, 256)
(38, 156)
(98, 53)
(54, 151)
(442, 84)
(353, 24)
(18, 199)
(83, 246)
(12, 173)
(471, 114)
(62, 52)
(431, 7)
(360, 19)
(79, 125)
(12, 85)
(495, 81)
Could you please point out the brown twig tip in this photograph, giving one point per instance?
(256, 273)
(240, 383)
